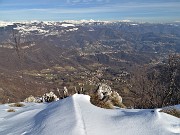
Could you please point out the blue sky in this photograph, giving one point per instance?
(57, 10)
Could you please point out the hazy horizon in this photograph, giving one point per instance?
(113, 10)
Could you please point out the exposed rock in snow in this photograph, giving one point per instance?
(49, 97)
(65, 92)
(30, 99)
(104, 97)
(33, 99)
(104, 91)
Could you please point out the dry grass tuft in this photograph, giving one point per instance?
(16, 105)
(107, 105)
(116, 100)
(172, 111)
(10, 110)
(97, 102)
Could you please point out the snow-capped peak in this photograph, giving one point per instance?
(5, 23)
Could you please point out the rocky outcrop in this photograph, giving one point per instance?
(30, 99)
(104, 97)
(47, 97)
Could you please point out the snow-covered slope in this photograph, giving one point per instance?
(77, 116)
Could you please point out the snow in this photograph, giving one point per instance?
(67, 25)
(125, 21)
(134, 24)
(77, 116)
(73, 29)
(4, 23)
(85, 21)
(79, 21)
(27, 29)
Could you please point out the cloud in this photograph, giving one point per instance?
(75, 4)
(104, 8)
(86, 1)
(114, 8)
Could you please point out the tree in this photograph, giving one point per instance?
(157, 86)
(18, 50)
(171, 75)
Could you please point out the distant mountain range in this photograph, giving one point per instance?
(52, 53)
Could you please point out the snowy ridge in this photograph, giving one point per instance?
(67, 25)
(71, 23)
(77, 116)
(45, 28)
(51, 117)
(4, 23)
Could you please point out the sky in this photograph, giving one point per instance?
(58, 10)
